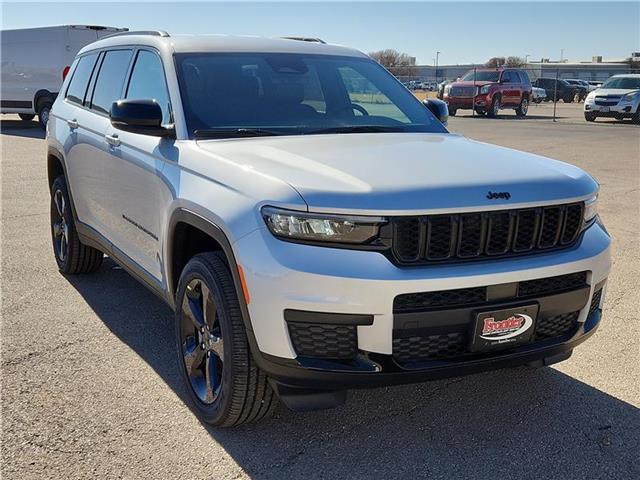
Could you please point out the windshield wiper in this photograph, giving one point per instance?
(357, 129)
(234, 132)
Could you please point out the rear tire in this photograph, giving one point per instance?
(568, 98)
(44, 109)
(26, 117)
(72, 256)
(225, 385)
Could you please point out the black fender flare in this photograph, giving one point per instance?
(42, 94)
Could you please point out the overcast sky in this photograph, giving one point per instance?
(462, 32)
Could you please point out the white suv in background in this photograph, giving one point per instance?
(313, 225)
(618, 97)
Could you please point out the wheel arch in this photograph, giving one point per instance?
(55, 165)
(190, 234)
(41, 95)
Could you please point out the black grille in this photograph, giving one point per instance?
(556, 325)
(595, 301)
(433, 347)
(412, 302)
(316, 340)
(462, 91)
(438, 238)
(559, 284)
(449, 345)
(463, 297)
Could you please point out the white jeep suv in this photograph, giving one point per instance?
(313, 225)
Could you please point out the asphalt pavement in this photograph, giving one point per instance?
(91, 389)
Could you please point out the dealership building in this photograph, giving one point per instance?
(596, 69)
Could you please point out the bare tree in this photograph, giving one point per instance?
(398, 63)
(495, 62)
(514, 61)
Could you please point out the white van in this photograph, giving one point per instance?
(34, 63)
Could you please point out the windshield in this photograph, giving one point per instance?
(627, 83)
(252, 94)
(481, 76)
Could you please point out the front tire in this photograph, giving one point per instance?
(26, 117)
(589, 117)
(225, 385)
(452, 112)
(636, 116)
(494, 108)
(72, 256)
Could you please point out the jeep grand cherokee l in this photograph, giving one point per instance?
(489, 91)
(314, 227)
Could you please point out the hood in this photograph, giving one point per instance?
(404, 173)
(613, 91)
(470, 83)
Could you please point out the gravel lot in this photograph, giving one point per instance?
(90, 388)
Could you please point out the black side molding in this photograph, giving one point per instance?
(302, 316)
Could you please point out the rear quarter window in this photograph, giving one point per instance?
(110, 81)
(78, 85)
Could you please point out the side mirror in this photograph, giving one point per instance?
(438, 108)
(139, 116)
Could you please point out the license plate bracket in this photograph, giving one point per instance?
(503, 328)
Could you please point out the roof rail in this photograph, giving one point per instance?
(306, 39)
(155, 33)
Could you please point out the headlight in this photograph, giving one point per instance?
(590, 209)
(315, 227)
(629, 97)
(484, 89)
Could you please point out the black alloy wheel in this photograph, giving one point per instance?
(202, 342)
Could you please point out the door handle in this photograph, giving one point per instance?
(112, 140)
(73, 124)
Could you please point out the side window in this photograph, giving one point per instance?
(78, 84)
(110, 80)
(365, 94)
(148, 82)
(525, 78)
(506, 77)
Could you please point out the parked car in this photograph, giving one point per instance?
(312, 236)
(538, 94)
(442, 86)
(619, 97)
(489, 91)
(34, 63)
(583, 88)
(558, 89)
(595, 84)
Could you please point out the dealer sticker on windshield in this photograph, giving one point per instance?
(504, 328)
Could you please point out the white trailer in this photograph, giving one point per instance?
(34, 63)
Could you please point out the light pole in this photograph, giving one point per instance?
(526, 59)
(437, 58)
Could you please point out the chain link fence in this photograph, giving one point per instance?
(556, 89)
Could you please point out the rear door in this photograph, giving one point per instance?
(82, 140)
(106, 87)
(136, 193)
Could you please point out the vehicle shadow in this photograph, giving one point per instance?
(520, 423)
(21, 128)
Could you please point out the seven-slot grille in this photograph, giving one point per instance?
(468, 236)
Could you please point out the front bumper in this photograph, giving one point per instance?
(284, 276)
(621, 109)
(480, 101)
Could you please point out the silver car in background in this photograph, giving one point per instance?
(619, 97)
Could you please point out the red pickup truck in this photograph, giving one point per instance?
(489, 91)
